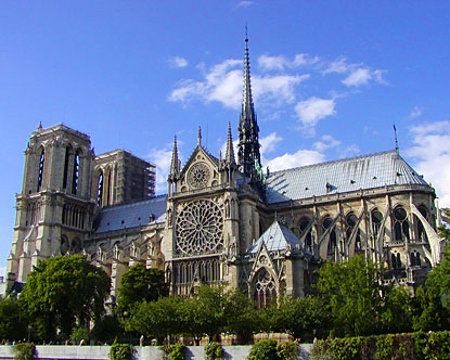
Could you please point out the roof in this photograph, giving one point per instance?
(340, 176)
(131, 215)
(276, 237)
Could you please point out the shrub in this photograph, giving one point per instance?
(120, 351)
(79, 334)
(24, 351)
(437, 346)
(214, 351)
(288, 351)
(264, 350)
(175, 351)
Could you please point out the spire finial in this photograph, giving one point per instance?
(229, 154)
(174, 163)
(39, 127)
(199, 136)
(395, 139)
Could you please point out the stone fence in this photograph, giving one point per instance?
(62, 352)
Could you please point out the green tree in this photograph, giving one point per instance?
(355, 295)
(304, 318)
(444, 231)
(158, 319)
(396, 315)
(140, 284)
(12, 322)
(433, 302)
(63, 291)
(204, 313)
(242, 318)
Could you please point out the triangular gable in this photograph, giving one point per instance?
(277, 237)
(199, 149)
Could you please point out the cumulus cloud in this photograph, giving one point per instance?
(299, 158)
(314, 109)
(431, 155)
(358, 77)
(326, 142)
(223, 83)
(416, 112)
(161, 159)
(280, 62)
(268, 143)
(244, 3)
(357, 74)
(3, 271)
(349, 151)
(178, 62)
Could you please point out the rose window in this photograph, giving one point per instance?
(199, 228)
(198, 176)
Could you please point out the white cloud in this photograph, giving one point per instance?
(326, 142)
(269, 143)
(223, 83)
(431, 154)
(161, 159)
(178, 62)
(244, 3)
(416, 112)
(299, 158)
(280, 62)
(314, 109)
(272, 62)
(358, 77)
(3, 271)
(349, 151)
(338, 66)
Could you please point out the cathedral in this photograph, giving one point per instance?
(223, 220)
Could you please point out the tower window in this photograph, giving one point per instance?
(41, 169)
(66, 167)
(100, 189)
(76, 165)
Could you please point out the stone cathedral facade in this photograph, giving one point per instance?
(223, 219)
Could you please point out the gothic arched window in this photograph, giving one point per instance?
(331, 249)
(100, 188)
(401, 224)
(351, 220)
(264, 291)
(41, 169)
(396, 261)
(377, 219)
(76, 169)
(420, 228)
(66, 166)
(304, 222)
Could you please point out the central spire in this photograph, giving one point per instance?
(248, 149)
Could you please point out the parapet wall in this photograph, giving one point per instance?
(56, 352)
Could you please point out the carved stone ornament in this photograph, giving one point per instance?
(198, 175)
(199, 228)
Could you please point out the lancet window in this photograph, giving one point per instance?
(304, 222)
(421, 233)
(66, 167)
(415, 259)
(41, 169)
(332, 242)
(377, 219)
(264, 289)
(401, 224)
(76, 169)
(100, 188)
(396, 261)
(351, 221)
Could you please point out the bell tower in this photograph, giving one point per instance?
(54, 209)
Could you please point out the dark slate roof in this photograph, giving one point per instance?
(131, 215)
(276, 237)
(340, 176)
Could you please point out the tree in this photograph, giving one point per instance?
(139, 284)
(204, 313)
(242, 318)
(62, 292)
(12, 322)
(304, 318)
(433, 302)
(396, 316)
(355, 295)
(158, 319)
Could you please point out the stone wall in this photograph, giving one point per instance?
(55, 352)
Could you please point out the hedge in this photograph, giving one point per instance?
(413, 346)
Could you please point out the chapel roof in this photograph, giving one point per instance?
(276, 237)
(341, 176)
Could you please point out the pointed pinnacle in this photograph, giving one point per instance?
(229, 154)
(174, 161)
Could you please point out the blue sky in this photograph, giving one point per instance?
(329, 77)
